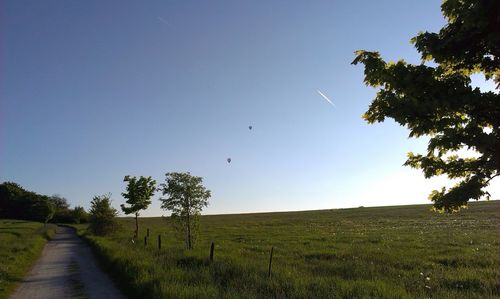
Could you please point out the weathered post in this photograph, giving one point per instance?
(147, 232)
(159, 242)
(270, 262)
(212, 247)
(145, 240)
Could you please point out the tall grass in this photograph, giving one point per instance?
(387, 252)
(21, 242)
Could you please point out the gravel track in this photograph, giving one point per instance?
(66, 269)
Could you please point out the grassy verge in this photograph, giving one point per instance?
(387, 252)
(21, 242)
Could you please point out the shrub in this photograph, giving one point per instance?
(79, 215)
(102, 215)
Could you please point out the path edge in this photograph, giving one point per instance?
(9, 290)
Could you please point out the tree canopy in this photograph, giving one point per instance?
(60, 202)
(437, 100)
(42, 208)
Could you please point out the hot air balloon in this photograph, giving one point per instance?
(228, 160)
(250, 127)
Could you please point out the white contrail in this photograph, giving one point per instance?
(163, 20)
(325, 97)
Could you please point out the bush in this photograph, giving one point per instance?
(102, 215)
(76, 216)
(42, 209)
(80, 215)
(63, 216)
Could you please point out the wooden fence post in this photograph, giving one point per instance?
(147, 233)
(270, 262)
(159, 242)
(212, 247)
(145, 240)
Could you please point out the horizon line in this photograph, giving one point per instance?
(315, 210)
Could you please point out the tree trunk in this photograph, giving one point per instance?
(136, 226)
(189, 230)
(188, 223)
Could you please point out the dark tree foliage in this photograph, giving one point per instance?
(439, 101)
(102, 215)
(60, 203)
(185, 198)
(42, 209)
(138, 195)
(11, 190)
(79, 215)
(11, 205)
(62, 214)
(18, 203)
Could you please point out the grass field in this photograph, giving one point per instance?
(21, 242)
(386, 252)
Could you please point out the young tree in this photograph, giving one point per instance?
(185, 198)
(102, 215)
(138, 195)
(439, 101)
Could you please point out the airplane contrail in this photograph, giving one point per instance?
(325, 97)
(163, 20)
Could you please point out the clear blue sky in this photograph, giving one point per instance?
(91, 91)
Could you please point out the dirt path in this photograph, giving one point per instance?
(66, 269)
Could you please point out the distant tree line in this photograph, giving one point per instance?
(183, 195)
(19, 203)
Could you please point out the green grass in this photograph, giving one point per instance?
(383, 252)
(21, 242)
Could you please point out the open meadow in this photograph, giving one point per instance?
(21, 242)
(380, 252)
